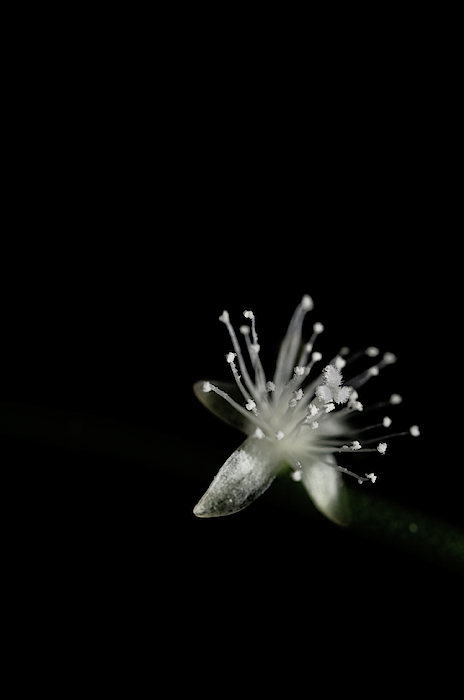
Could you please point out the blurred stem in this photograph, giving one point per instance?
(373, 516)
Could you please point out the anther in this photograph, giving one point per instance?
(389, 358)
(414, 430)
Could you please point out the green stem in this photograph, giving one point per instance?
(373, 515)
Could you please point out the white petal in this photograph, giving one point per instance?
(326, 489)
(286, 359)
(247, 473)
(221, 408)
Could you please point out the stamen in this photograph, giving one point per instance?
(297, 473)
(230, 357)
(310, 418)
(361, 479)
(392, 435)
(208, 386)
(253, 351)
(322, 447)
(307, 349)
(298, 395)
(344, 470)
(250, 315)
(373, 406)
(384, 424)
(363, 377)
(224, 317)
(389, 358)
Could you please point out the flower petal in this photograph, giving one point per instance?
(326, 489)
(221, 408)
(247, 473)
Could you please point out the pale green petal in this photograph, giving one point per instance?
(326, 489)
(247, 473)
(221, 408)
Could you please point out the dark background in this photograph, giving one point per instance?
(137, 212)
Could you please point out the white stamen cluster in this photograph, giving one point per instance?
(282, 409)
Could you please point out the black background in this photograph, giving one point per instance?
(137, 213)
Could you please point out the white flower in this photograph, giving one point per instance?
(292, 421)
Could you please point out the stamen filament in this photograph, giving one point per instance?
(248, 414)
(250, 386)
(386, 437)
